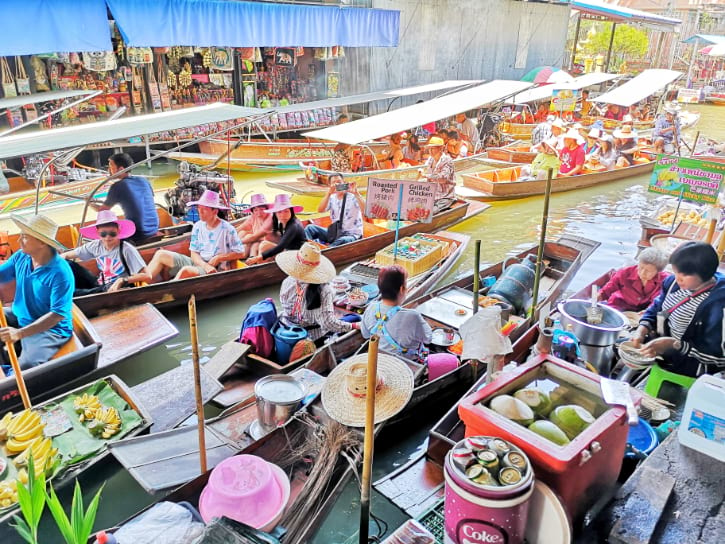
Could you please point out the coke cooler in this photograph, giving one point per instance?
(580, 471)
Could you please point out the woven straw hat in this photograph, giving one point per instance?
(344, 398)
(435, 141)
(307, 265)
(40, 227)
(625, 133)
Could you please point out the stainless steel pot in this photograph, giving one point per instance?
(574, 312)
(278, 398)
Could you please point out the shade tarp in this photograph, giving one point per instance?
(645, 84)
(226, 23)
(119, 129)
(545, 91)
(19, 101)
(620, 14)
(419, 114)
(31, 27)
(703, 39)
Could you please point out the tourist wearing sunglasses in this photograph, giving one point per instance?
(119, 262)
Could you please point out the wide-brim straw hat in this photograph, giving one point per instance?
(558, 123)
(551, 143)
(307, 264)
(573, 134)
(210, 199)
(259, 200)
(625, 133)
(595, 133)
(40, 227)
(126, 228)
(435, 141)
(282, 202)
(395, 388)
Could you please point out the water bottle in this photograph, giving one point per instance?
(103, 537)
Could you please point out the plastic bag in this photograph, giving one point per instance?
(482, 337)
(163, 523)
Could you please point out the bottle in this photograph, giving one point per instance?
(102, 537)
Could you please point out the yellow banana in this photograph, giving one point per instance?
(30, 433)
(4, 422)
(14, 447)
(27, 421)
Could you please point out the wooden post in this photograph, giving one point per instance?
(14, 363)
(197, 383)
(476, 274)
(369, 439)
(542, 242)
(611, 44)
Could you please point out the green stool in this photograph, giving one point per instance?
(658, 375)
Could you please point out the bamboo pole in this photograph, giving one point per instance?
(476, 274)
(15, 364)
(369, 439)
(542, 242)
(197, 383)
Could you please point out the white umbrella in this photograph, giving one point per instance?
(717, 50)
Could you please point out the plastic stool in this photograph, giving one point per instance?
(658, 375)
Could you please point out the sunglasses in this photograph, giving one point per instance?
(106, 233)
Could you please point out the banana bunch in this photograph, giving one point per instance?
(106, 422)
(8, 493)
(4, 426)
(691, 217)
(20, 430)
(86, 406)
(43, 454)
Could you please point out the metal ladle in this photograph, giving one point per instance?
(594, 312)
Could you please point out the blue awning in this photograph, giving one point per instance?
(228, 23)
(44, 26)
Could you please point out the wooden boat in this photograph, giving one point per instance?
(96, 346)
(502, 184)
(517, 131)
(170, 293)
(513, 152)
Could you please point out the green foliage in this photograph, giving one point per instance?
(78, 528)
(31, 498)
(630, 43)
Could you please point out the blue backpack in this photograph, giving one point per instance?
(257, 326)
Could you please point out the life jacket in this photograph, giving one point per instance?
(5, 250)
(256, 327)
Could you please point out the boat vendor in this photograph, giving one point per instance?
(214, 244)
(572, 154)
(40, 318)
(547, 158)
(633, 288)
(614, 112)
(584, 105)
(257, 226)
(287, 231)
(119, 262)
(438, 168)
(135, 196)
(625, 143)
(666, 130)
(543, 131)
(686, 319)
(306, 295)
(467, 129)
(455, 147)
(542, 112)
(345, 205)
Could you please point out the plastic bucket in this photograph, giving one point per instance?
(285, 338)
(642, 437)
(485, 514)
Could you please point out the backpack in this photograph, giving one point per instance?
(257, 325)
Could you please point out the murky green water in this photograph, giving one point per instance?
(608, 214)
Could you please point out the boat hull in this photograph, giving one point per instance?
(25, 198)
(515, 152)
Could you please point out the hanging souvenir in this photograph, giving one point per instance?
(299, 51)
(54, 70)
(222, 58)
(217, 79)
(333, 84)
(171, 79)
(284, 56)
(160, 50)
(206, 58)
(185, 76)
(99, 61)
(162, 83)
(184, 51)
(7, 79)
(257, 54)
(22, 81)
(14, 116)
(246, 53)
(30, 112)
(139, 55)
(338, 52)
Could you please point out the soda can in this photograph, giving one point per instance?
(514, 459)
(485, 478)
(489, 460)
(509, 476)
(477, 443)
(463, 457)
(501, 447)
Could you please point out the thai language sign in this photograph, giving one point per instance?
(564, 99)
(697, 181)
(383, 196)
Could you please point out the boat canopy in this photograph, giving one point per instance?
(119, 129)
(544, 92)
(20, 101)
(598, 10)
(406, 118)
(645, 84)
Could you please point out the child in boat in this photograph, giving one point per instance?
(547, 158)
(633, 288)
(256, 227)
(572, 154)
(287, 231)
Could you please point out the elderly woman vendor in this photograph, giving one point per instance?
(633, 288)
(687, 316)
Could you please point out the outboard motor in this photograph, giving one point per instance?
(191, 184)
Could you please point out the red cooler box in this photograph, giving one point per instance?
(580, 471)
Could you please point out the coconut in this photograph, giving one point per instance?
(549, 431)
(571, 419)
(536, 399)
(512, 409)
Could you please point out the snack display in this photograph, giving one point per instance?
(416, 253)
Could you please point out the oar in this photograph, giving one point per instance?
(369, 439)
(542, 241)
(197, 383)
(14, 363)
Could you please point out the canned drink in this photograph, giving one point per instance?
(509, 476)
(515, 460)
(488, 459)
(477, 443)
(485, 478)
(462, 457)
(501, 447)
(474, 471)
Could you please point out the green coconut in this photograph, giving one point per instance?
(549, 431)
(513, 409)
(536, 399)
(571, 419)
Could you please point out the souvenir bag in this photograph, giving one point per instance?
(206, 58)
(14, 116)
(99, 61)
(136, 95)
(139, 55)
(22, 81)
(8, 81)
(154, 93)
(217, 79)
(247, 53)
(163, 84)
(222, 58)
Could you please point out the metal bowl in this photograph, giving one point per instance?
(574, 312)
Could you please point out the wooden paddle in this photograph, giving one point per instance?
(14, 363)
(197, 383)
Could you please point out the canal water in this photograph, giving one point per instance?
(609, 214)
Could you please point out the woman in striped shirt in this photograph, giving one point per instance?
(688, 315)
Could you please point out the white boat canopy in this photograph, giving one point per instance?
(24, 100)
(645, 84)
(406, 118)
(120, 129)
(544, 92)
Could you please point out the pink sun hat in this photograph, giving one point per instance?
(210, 199)
(259, 200)
(282, 202)
(248, 489)
(126, 228)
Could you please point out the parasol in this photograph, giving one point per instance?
(715, 50)
(547, 74)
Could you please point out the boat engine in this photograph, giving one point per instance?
(191, 184)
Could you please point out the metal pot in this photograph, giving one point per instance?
(574, 312)
(278, 398)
